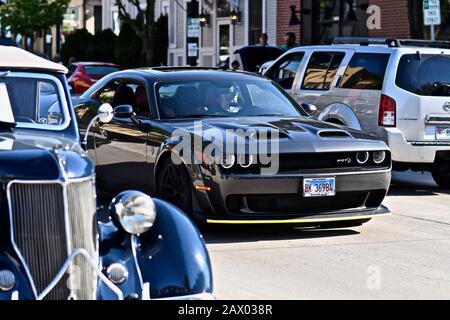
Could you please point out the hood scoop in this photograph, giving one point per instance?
(333, 134)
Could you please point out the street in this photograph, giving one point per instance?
(405, 255)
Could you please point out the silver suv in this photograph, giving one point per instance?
(398, 90)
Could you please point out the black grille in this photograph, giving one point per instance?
(300, 162)
(294, 203)
(39, 232)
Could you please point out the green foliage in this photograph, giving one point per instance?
(76, 45)
(29, 16)
(102, 46)
(129, 47)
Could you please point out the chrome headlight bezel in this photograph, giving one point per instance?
(382, 157)
(134, 211)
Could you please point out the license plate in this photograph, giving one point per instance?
(443, 133)
(319, 187)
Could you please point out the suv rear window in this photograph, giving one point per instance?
(321, 70)
(365, 71)
(425, 75)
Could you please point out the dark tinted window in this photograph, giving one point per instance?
(365, 71)
(426, 74)
(322, 68)
(100, 70)
(284, 72)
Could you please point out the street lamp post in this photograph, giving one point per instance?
(192, 36)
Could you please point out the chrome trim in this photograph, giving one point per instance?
(62, 97)
(134, 247)
(67, 265)
(435, 119)
(64, 184)
(197, 296)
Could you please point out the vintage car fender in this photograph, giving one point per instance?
(170, 260)
(342, 113)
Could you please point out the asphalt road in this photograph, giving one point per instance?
(405, 255)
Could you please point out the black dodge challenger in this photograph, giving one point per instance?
(233, 148)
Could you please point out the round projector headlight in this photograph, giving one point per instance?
(7, 280)
(245, 160)
(362, 157)
(227, 161)
(135, 211)
(379, 156)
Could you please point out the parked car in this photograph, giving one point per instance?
(82, 75)
(54, 241)
(398, 90)
(325, 173)
(253, 57)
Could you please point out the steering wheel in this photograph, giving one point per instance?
(24, 119)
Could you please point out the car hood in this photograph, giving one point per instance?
(301, 131)
(32, 157)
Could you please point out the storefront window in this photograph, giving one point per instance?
(255, 20)
(223, 8)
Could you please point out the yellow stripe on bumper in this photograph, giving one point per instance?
(294, 220)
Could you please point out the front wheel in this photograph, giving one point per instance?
(174, 186)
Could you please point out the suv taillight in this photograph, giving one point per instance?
(387, 115)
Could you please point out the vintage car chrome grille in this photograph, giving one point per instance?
(49, 220)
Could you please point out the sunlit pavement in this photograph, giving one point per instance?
(405, 255)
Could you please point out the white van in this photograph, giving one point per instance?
(398, 90)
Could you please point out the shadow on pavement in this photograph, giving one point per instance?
(410, 183)
(251, 233)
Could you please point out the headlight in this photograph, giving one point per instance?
(134, 210)
(379, 156)
(7, 280)
(362, 157)
(227, 161)
(245, 160)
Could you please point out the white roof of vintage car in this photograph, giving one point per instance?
(16, 58)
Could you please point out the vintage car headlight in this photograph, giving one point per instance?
(134, 210)
(7, 280)
(362, 157)
(379, 156)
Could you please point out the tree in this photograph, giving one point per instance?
(30, 17)
(144, 25)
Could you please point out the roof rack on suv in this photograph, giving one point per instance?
(184, 68)
(392, 43)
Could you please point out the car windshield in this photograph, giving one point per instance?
(224, 98)
(100, 70)
(31, 101)
(425, 75)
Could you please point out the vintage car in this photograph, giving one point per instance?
(54, 241)
(321, 173)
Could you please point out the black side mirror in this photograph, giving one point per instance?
(310, 108)
(123, 111)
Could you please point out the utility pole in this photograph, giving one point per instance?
(193, 33)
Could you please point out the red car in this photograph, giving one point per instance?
(82, 75)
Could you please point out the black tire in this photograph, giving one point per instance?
(442, 177)
(343, 224)
(174, 186)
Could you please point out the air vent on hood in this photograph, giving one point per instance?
(333, 134)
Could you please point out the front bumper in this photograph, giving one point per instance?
(412, 152)
(370, 187)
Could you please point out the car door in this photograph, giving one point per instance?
(120, 145)
(285, 70)
(320, 75)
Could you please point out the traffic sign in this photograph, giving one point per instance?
(431, 12)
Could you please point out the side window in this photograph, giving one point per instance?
(365, 71)
(285, 71)
(321, 70)
(107, 94)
